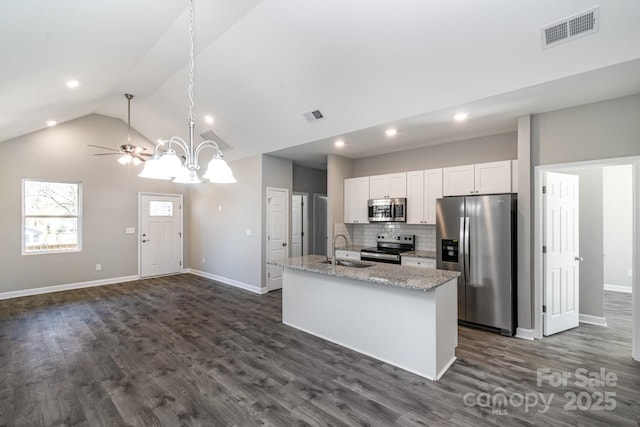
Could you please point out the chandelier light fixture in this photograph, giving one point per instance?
(165, 162)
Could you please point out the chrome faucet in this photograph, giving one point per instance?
(346, 242)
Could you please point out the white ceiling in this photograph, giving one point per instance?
(261, 64)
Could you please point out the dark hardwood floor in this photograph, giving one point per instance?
(183, 350)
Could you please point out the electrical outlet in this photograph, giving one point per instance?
(247, 232)
(204, 261)
(219, 208)
(98, 267)
(630, 273)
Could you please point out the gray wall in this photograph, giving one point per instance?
(591, 241)
(220, 216)
(618, 225)
(478, 150)
(110, 203)
(338, 168)
(602, 130)
(310, 181)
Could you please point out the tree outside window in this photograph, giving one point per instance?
(51, 216)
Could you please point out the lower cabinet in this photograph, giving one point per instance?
(419, 262)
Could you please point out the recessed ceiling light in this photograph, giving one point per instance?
(51, 123)
(339, 143)
(461, 117)
(391, 132)
(72, 84)
(208, 119)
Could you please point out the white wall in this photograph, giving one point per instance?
(618, 225)
(110, 203)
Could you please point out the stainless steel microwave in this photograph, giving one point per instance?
(387, 210)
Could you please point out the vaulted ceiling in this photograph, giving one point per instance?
(260, 65)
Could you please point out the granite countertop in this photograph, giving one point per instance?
(385, 274)
(420, 254)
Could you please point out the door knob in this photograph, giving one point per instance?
(146, 240)
(579, 258)
(284, 244)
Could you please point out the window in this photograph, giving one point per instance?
(51, 216)
(159, 208)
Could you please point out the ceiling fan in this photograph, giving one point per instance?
(128, 152)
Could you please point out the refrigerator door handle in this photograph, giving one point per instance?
(466, 254)
(461, 249)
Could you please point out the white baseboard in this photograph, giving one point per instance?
(227, 281)
(617, 288)
(525, 334)
(67, 287)
(593, 320)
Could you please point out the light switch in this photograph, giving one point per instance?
(130, 230)
(247, 232)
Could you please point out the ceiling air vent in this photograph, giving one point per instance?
(575, 26)
(313, 116)
(212, 136)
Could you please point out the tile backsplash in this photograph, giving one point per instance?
(365, 234)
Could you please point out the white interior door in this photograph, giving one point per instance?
(277, 233)
(561, 253)
(160, 234)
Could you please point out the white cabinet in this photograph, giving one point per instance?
(346, 254)
(418, 262)
(392, 185)
(423, 188)
(493, 178)
(356, 194)
(481, 178)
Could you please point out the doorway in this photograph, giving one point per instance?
(160, 234)
(300, 224)
(277, 233)
(539, 230)
(320, 224)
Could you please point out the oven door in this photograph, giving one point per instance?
(380, 257)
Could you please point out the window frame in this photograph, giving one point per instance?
(78, 218)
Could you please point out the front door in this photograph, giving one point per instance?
(561, 253)
(160, 234)
(277, 233)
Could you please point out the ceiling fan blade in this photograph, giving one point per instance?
(137, 156)
(107, 154)
(104, 148)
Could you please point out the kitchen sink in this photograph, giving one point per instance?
(346, 263)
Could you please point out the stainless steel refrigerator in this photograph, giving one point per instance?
(476, 236)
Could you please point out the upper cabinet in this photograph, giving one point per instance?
(481, 178)
(356, 194)
(423, 188)
(392, 185)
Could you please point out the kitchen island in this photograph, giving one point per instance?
(402, 315)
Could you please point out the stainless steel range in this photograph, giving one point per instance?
(389, 248)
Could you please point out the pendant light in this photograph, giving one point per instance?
(165, 163)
